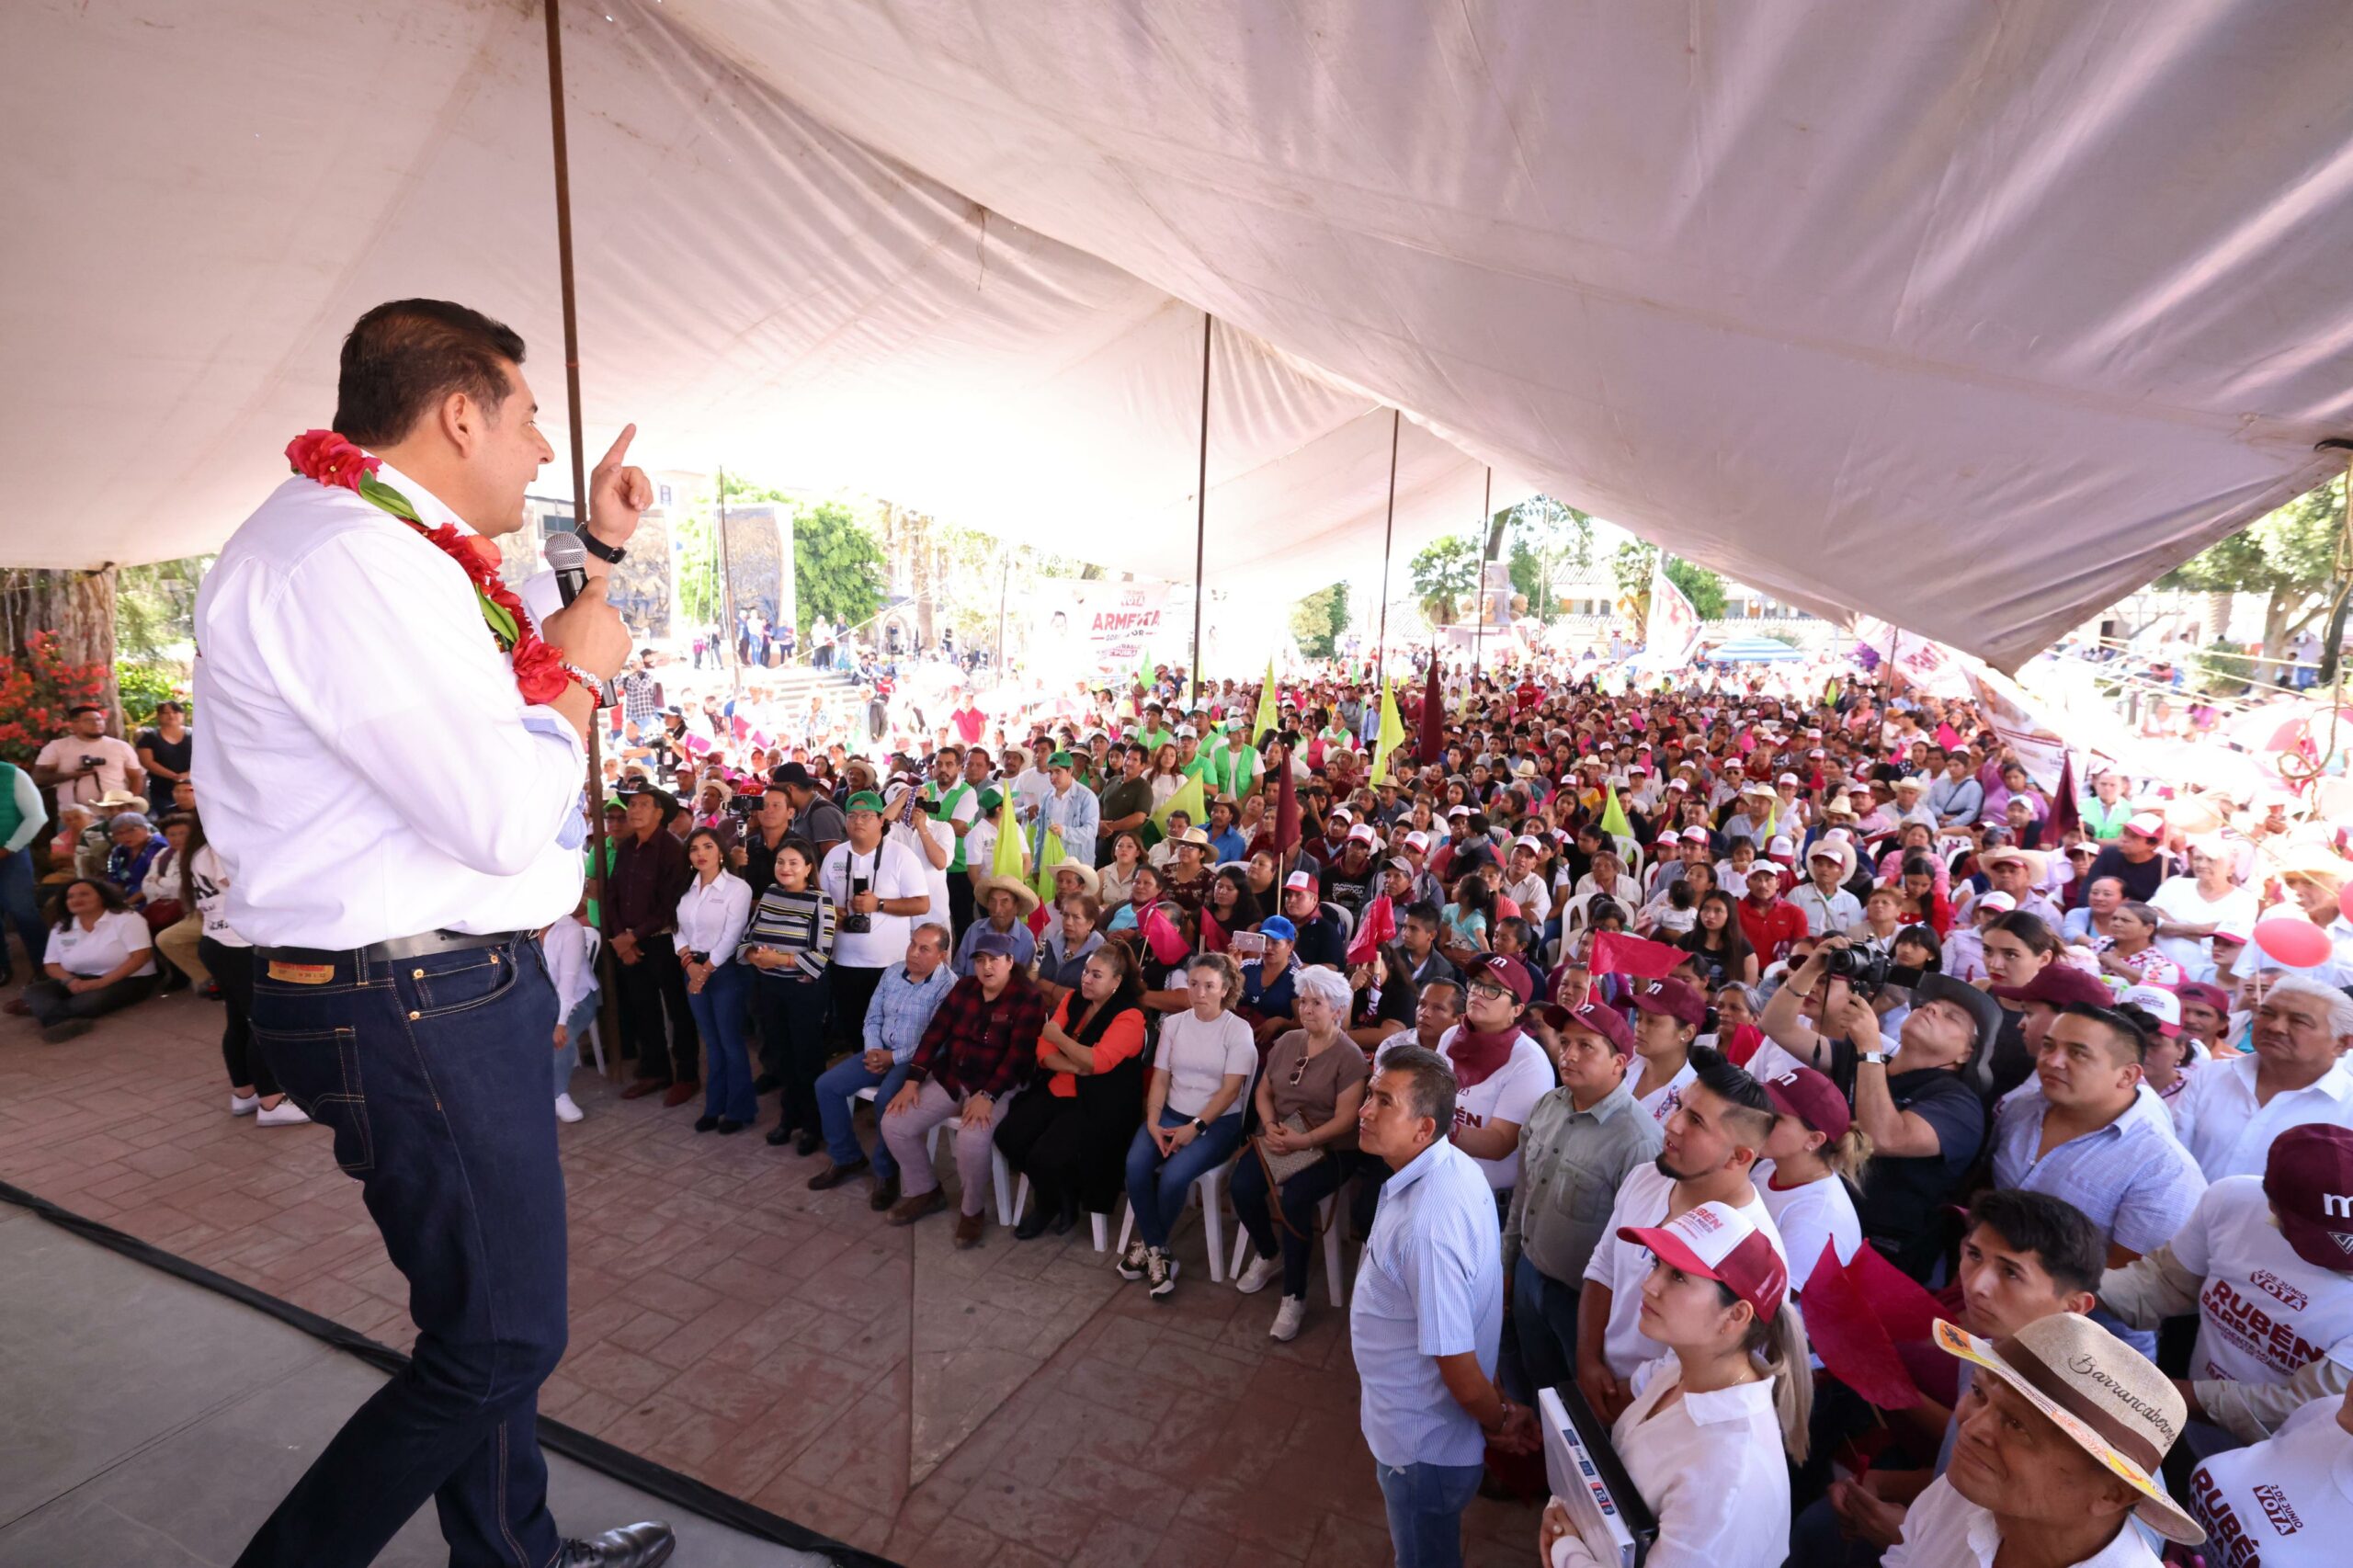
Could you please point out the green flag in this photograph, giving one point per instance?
(1268, 718)
(1392, 731)
(1049, 854)
(1613, 817)
(1008, 858)
(1192, 800)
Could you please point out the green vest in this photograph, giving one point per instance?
(11, 819)
(943, 806)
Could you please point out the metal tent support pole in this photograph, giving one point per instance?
(609, 1010)
(1388, 533)
(727, 591)
(1479, 620)
(1200, 512)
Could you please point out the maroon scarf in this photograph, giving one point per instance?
(1478, 1057)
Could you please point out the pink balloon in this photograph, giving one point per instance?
(2345, 901)
(2298, 944)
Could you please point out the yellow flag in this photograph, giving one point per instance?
(1392, 731)
(1268, 718)
(1188, 799)
(1613, 817)
(1049, 854)
(1009, 858)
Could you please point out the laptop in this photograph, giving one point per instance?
(1610, 1516)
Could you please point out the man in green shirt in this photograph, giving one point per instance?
(1127, 803)
(1156, 733)
(950, 798)
(1193, 762)
(1237, 764)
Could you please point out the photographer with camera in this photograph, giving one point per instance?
(86, 762)
(1925, 1115)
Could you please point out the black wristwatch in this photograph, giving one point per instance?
(1200, 1126)
(608, 553)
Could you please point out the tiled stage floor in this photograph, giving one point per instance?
(1012, 1406)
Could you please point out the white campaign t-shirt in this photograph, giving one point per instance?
(1665, 1100)
(1809, 1216)
(116, 936)
(2287, 1503)
(2263, 1312)
(211, 881)
(1507, 1094)
(1196, 1057)
(1622, 1265)
(890, 870)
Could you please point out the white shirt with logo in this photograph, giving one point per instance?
(1665, 1100)
(2287, 1503)
(2263, 1312)
(118, 934)
(1507, 1094)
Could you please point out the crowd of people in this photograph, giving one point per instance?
(1611, 1026)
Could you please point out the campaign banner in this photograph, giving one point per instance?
(1098, 626)
(2033, 738)
(1923, 662)
(1672, 630)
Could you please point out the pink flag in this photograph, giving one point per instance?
(1377, 925)
(1614, 952)
(1161, 935)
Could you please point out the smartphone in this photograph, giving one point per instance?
(1248, 945)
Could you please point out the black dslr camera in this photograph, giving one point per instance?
(1868, 972)
(850, 920)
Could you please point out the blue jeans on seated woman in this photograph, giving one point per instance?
(718, 1008)
(1156, 1188)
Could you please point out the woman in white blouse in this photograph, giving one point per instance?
(712, 918)
(1711, 1418)
(100, 957)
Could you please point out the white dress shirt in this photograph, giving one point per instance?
(565, 946)
(1944, 1529)
(1710, 1468)
(369, 771)
(713, 916)
(2217, 1118)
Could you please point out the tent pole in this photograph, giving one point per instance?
(1479, 623)
(608, 1013)
(1201, 507)
(1387, 532)
(727, 591)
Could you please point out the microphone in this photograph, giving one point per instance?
(568, 558)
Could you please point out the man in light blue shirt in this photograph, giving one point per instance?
(1428, 1314)
(1071, 808)
(904, 999)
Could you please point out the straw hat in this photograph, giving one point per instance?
(2101, 1393)
(1087, 880)
(1023, 893)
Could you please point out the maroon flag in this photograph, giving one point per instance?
(1614, 952)
(1433, 744)
(1853, 1343)
(1286, 809)
(2065, 814)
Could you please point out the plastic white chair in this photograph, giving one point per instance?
(1327, 1215)
(1207, 1190)
(595, 1035)
(1000, 1173)
(1102, 1223)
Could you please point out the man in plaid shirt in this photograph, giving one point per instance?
(641, 693)
(980, 1046)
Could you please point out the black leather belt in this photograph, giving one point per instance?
(417, 947)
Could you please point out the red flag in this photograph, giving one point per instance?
(2065, 814)
(1212, 934)
(1614, 952)
(1377, 925)
(1901, 1302)
(1433, 745)
(1286, 809)
(1854, 1345)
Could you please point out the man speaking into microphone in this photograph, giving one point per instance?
(363, 675)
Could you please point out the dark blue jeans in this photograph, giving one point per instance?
(837, 1089)
(1300, 1197)
(719, 1010)
(1425, 1503)
(21, 909)
(433, 1075)
(1544, 1322)
(1157, 1188)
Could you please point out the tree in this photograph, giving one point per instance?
(1318, 619)
(1444, 573)
(1632, 566)
(2289, 556)
(78, 607)
(836, 566)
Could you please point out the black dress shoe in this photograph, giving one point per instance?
(728, 1124)
(631, 1546)
(886, 1193)
(705, 1123)
(779, 1135)
(766, 1083)
(1033, 1223)
(1066, 1218)
(807, 1144)
(834, 1176)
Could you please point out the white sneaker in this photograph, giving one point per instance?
(567, 1112)
(1161, 1270)
(243, 1105)
(285, 1113)
(1130, 1264)
(1262, 1272)
(1288, 1317)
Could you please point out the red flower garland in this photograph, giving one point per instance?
(540, 672)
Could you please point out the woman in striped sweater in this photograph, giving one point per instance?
(788, 944)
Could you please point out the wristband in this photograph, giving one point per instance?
(589, 683)
(610, 554)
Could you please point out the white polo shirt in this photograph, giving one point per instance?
(117, 934)
(2228, 1133)
(1622, 1265)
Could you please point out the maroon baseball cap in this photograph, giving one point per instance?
(1607, 1022)
(2058, 984)
(1503, 971)
(1814, 1099)
(1675, 999)
(2309, 1179)
(2214, 996)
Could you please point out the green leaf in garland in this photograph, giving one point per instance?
(502, 625)
(375, 490)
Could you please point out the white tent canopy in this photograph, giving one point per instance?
(1974, 316)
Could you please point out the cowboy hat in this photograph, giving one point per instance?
(1023, 893)
(1087, 880)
